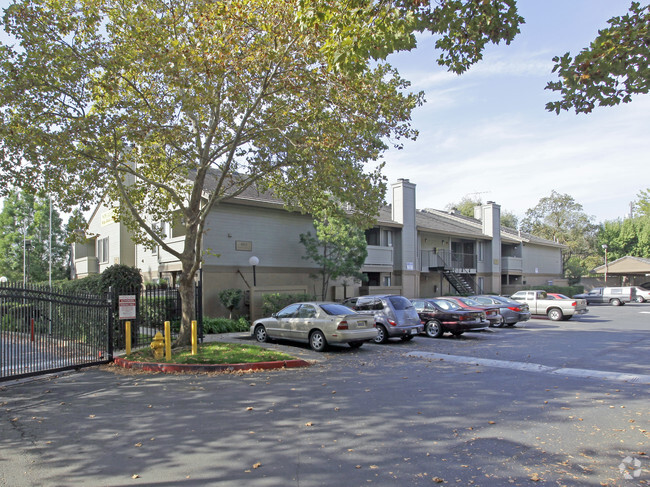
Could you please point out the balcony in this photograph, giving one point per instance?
(86, 266)
(444, 259)
(379, 256)
(512, 264)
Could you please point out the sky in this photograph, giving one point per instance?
(486, 134)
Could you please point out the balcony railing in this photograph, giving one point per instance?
(445, 259)
(512, 264)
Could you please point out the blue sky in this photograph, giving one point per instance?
(486, 133)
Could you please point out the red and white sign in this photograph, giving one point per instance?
(127, 307)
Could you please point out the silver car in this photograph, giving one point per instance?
(316, 323)
(394, 315)
(512, 312)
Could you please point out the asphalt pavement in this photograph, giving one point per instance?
(453, 411)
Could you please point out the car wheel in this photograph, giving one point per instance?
(355, 344)
(500, 323)
(382, 334)
(616, 302)
(555, 314)
(260, 334)
(639, 299)
(317, 341)
(434, 329)
(407, 338)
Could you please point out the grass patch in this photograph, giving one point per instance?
(213, 353)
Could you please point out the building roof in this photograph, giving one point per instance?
(625, 266)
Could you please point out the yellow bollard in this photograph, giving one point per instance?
(194, 337)
(127, 331)
(168, 341)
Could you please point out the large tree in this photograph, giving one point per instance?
(26, 218)
(611, 70)
(560, 218)
(166, 108)
(630, 236)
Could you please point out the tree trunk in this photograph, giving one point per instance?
(186, 289)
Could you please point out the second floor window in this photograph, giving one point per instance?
(102, 250)
(372, 236)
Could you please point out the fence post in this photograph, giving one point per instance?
(168, 341)
(109, 310)
(194, 337)
(127, 332)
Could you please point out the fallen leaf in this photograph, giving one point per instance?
(309, 424)
(535, 477)
(138, 445)
(249, 408)
(438, 480)
(257, 465)
(135, 476)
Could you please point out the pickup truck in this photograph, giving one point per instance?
(555, 309)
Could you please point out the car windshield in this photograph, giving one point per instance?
(400, 303)
(336, 309)
(470, 302)
(446, 305)
(508, 300)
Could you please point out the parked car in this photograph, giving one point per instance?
(394, 316)
(640, 295)
(616, 296)
(316, 323)
(556, 309)
(440, 315)
(491, 311)
(512, 311)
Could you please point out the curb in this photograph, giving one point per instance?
(174, 368)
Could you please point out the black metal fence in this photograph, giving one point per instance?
(153, 306)
(43, 330)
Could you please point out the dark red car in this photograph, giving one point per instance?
(492, 312)
(439, 316)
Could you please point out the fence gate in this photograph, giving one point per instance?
(44, 331)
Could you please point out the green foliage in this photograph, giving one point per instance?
(612, 69)
(27, 217)
(231, 298)
(225, 325)
(560, 218)
(566, 290)
(272, 303)
(121, 277)
(91, 285)
(466, 205)
(339, 249)
(625, 237)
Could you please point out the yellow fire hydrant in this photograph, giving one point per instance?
(158, 345)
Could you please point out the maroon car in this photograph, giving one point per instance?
(439, 316)
(492, 312)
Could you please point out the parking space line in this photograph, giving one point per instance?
(532, 367)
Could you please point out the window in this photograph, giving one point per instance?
(372, 236)
(102, 250)
(480, 251)
(386, 281)
(388, 238)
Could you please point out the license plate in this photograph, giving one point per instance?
(361, 324)
(414, 331)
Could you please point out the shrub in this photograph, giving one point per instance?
(231, 298)
(224, 325)
(272, 303)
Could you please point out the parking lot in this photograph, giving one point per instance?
(554, 403)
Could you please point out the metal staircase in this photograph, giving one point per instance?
(458, 282)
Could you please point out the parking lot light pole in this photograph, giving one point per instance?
(605, 249)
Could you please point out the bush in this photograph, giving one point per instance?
(231, 298)
(272, 303)
(90, 285)
(224, 325)
(121, 277)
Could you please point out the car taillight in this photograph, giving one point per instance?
(574, 304)
(343, 325)
(392, 323)
(514, 308)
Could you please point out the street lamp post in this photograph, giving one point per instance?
(605, 249)
(254, 261)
